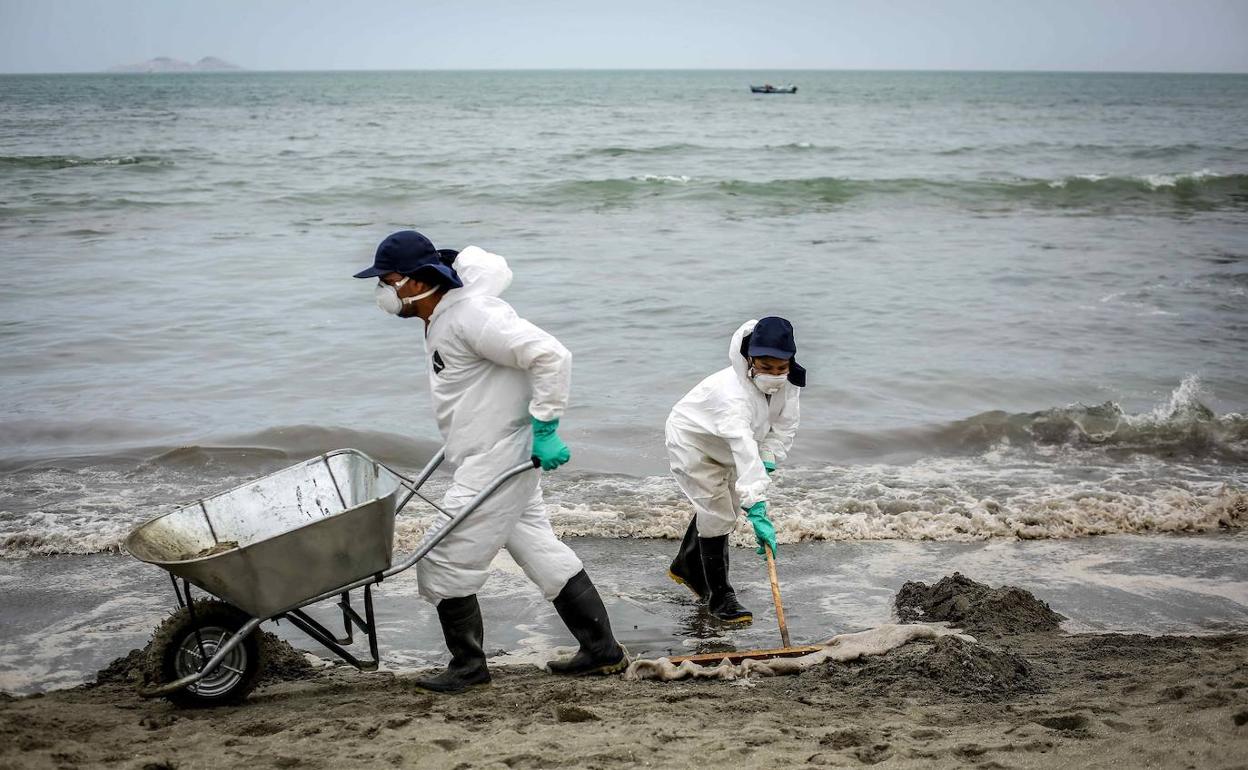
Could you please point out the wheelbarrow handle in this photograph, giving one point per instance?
(438, 534)
(413, 485)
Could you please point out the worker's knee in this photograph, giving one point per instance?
(714, 523)
(438, 582)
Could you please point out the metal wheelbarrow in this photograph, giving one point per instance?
(266, 550)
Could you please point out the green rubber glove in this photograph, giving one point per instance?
(770, 467)
(764, 530)
(548, 448)
(769, 461)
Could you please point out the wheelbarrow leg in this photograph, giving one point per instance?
(177, 591)
(351, 620)
(309, 625)
(190, 607)
(344, 603)
(372, 627)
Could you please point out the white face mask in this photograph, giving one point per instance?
(770, 384)
(388, 299)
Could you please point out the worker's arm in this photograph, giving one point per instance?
(752, 481)
(779, 439)
(506, 339)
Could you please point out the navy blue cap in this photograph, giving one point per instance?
(409, 253)
(772, 336)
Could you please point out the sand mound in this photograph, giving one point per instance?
(281, 663)
(975, 607)
(956, 666)
(128, 669)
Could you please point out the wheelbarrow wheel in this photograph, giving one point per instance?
(177, 650)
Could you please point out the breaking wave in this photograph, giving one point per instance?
(1181, 428)
(1069, 471)
(1090, 149)
(74, 161)
(231, 454)
(939, 499)
(999, 495)
(686, 148)
(1198, 189)
(616, 151)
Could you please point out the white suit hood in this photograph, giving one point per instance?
(483, 275)
(736, 360)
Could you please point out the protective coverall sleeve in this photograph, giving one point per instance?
(752, 481)
(779, 439)
(506, 339)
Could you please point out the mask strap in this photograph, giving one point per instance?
(421, 296)
(418, 297)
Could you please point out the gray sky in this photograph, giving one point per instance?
(1130, 35)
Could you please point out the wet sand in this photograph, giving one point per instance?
(1039, 699)
(64, 618)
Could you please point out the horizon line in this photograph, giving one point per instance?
(244, 70)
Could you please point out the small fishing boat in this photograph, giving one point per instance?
(770, 89)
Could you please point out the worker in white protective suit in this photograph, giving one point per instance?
(499, 386)
(724, 440)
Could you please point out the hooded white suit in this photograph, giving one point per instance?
(489, 371)
(716, 436)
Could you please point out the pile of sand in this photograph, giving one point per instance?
(975, 607)
(282, 663)
(952, 665)
(129, 669)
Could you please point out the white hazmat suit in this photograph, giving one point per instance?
(489, 371)
(718, 434)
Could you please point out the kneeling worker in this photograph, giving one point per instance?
(724, 439)
(499, 385)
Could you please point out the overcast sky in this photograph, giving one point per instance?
(1130, 35)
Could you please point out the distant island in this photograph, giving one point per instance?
(167, 64)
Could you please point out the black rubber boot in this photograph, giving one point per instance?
(722, 600)
(461, 627)
(583, 612)
(686, 568)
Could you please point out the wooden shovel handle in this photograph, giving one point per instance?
(775, 595)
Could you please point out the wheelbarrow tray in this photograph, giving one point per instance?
(271, 544)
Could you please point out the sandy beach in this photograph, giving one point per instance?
(1031, 699)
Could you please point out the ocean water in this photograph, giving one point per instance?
(1022, 298)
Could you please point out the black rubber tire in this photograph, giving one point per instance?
(177, 631)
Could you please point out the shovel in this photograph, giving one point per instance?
(786, 651)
